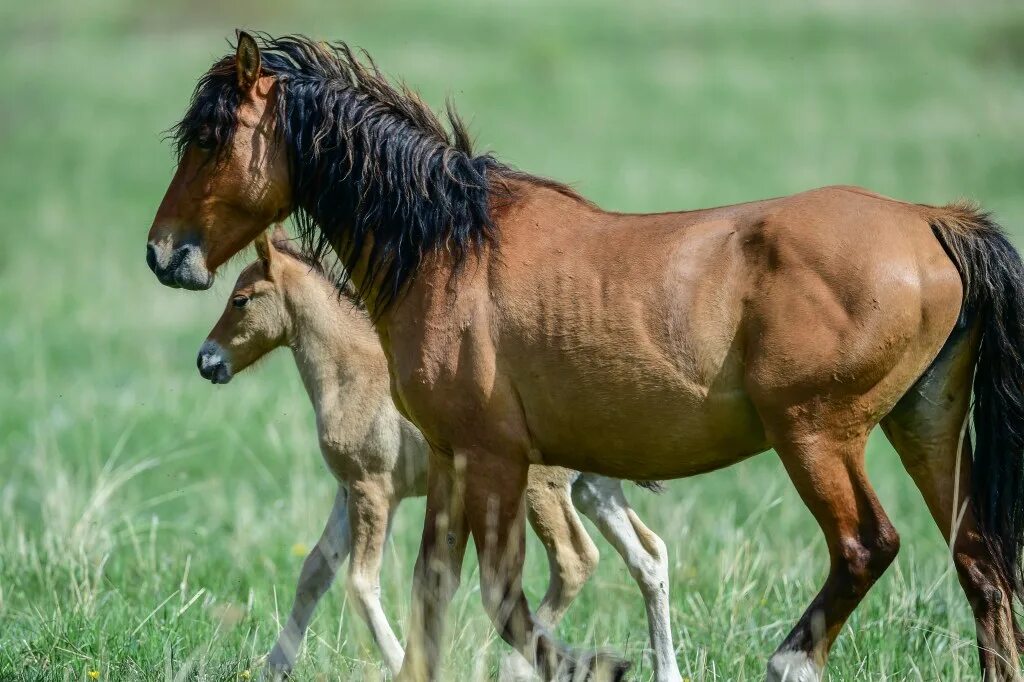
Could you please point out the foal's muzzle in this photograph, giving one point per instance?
(213, 364)
(182, 267)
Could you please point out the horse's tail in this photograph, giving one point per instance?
(993, 279)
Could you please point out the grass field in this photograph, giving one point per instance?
(151, 525)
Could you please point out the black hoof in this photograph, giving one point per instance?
(596, 667)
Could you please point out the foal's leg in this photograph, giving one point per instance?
(646, 557)
(318, 572)
(494, 511)
(829, 474)
(370, 505)
(572, 555)
(438, 568)
(926, 428)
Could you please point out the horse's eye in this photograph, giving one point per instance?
(240, 301)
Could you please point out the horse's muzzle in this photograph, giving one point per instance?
(181, 268)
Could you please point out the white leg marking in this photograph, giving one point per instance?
(792, 666)
(646, 556)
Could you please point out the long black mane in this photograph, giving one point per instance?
(373, 170)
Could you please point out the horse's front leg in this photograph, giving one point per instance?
(494, 510)
(438, 568)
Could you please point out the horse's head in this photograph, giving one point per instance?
(254, 322)
(232, 177)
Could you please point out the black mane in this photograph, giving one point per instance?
(374, 172)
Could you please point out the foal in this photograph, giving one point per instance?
(379, 459)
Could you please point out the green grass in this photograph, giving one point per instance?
(147, 520)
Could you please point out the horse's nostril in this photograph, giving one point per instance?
(151, 257)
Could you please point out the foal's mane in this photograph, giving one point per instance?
(318, 268)
(374, 171)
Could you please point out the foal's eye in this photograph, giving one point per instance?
(240, 301)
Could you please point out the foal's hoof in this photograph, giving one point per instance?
(792, 666)
(515, 668)
(276, 674)
(597, 667)
(276, 670)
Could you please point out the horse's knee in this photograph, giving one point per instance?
(435, 580)
(498, 596)
(864, 558)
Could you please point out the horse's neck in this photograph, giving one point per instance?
(335, 349)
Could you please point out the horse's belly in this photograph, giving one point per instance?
(642, 433)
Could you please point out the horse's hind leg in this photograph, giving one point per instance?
(828, 472)
(318, 572)
(927, 429)
(645, 555)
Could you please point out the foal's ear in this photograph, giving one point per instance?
(278, 236)
(247, 61)
(265, 251)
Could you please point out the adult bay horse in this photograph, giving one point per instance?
(522, 324)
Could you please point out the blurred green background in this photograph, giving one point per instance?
(150, 523)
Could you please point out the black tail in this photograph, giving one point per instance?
(993, 277)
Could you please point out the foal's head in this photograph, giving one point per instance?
(255, 321)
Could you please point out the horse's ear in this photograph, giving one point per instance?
(247, 61)
(278, 236)
(265, 251)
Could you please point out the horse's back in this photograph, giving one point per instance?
(688, 321)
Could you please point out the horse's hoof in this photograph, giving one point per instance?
(792, 666)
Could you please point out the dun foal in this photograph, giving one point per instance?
(379, 459)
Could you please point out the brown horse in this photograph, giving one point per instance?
(522, 324)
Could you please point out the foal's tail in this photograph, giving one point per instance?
(993, 278)
(656, 487)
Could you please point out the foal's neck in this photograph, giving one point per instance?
(335, 348)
